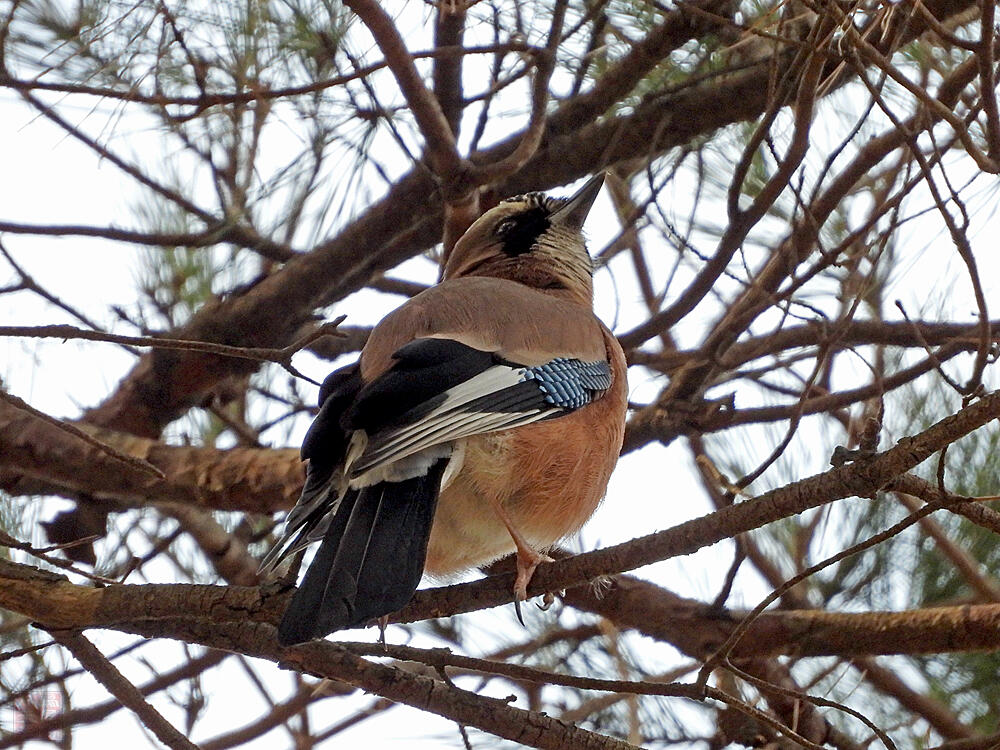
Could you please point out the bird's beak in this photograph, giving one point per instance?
(574, 213)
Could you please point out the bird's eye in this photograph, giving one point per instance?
(505, 226)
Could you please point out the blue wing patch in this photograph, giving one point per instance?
(570, 383)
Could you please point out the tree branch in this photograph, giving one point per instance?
(128, 694)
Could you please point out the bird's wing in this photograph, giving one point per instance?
(325, 446)
(437, 391)
(440, 390)
(469, 356)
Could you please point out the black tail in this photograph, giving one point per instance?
(371, 558)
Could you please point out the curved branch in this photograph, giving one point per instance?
(124, 691)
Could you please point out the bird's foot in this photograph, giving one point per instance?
(528, 559)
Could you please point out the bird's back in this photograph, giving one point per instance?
(525, 325)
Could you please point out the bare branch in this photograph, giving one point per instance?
(131, 697)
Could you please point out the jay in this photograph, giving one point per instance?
(484, 417)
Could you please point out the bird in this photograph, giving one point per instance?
(483, 417)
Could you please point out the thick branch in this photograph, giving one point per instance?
(178, 610)
(698, 630)
(225, 620)
(37, 457)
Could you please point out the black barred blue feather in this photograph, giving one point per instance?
(570, 383)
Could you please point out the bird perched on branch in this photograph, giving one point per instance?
(483, 417)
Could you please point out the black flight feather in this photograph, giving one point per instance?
(424, 369)
(327, 438)
(371, 558)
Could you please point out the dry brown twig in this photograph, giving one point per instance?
(108, 675)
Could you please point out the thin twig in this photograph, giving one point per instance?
(280, 356)
(6, 540)
(442, 152)
(208, 100)
(108, 675)
(532, 138)
(722, 653)
(768, 686)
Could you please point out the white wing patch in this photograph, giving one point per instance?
(447, 422)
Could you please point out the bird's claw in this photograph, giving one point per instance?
(548, 598)
(528, 560)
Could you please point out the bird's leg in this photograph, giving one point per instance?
(528, 558)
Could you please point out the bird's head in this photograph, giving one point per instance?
(534, 239)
